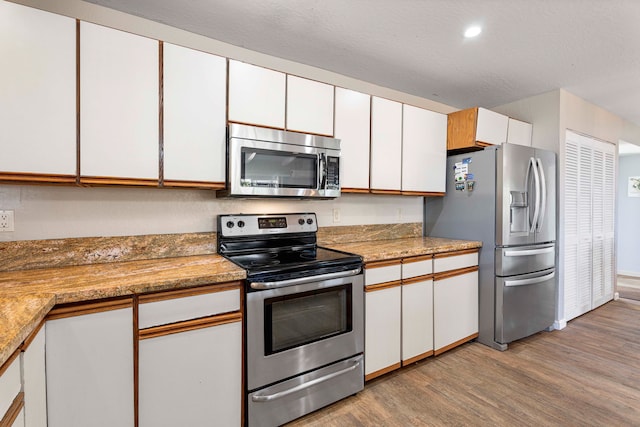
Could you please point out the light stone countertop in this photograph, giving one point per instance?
(26, 296)
(379, 250)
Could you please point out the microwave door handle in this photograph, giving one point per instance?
(536, 179)
(543, 188)
(322, 165)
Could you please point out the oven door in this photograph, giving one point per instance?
(295, 329)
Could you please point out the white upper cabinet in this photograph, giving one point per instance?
(353, 124)
(309, 106)
(119, 104)
(38, 93)
(386, 144)
(256, 95)
(491, 127)
(424, 150)
(194, 102)
(519, 132)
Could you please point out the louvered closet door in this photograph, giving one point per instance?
(589, 199)
(570, 254)
(578, 226)
(609, 219)
(603, 223)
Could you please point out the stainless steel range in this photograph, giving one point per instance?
(304, 316)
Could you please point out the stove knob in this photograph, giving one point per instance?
(301, 221)
(309, 221)
(240, 223)
(230, 224)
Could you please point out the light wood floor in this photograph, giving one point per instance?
(587, 374)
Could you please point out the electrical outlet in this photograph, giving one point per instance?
(336, 215)
(6, 221)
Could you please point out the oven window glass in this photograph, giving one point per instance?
(298, 319)
(267, 168)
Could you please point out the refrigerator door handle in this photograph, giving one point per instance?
(531, 281)
(547, 250)
(536, 178)
(543, 185)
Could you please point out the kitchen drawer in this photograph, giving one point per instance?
(382, 272)
(10, 384)
(178, 306)
(454, 261)
(417, 266)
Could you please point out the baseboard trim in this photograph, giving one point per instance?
(633, 274)
(560, 324)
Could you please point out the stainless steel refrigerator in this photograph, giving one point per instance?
(504, 196)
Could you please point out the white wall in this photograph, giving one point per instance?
(628, 218)
(541, 110)
(58, 212)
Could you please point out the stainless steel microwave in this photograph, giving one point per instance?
(264, 162)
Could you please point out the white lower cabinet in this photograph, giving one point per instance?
(191, 378)
(34, 381)
(10, 385)
(382, 331)
(417, 320)
(89, 360)
(190, 357)
(455, 299)
(417, 307)
(455, 310)
(20, 420)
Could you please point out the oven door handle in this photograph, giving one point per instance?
(303, 280)
(280, 394)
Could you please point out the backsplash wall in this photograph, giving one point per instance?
(49, 212)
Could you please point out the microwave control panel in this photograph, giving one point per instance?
(333, 173)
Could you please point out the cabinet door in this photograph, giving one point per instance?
(382, 331)
(10, 384)
(424, 150)
(192, 378)
(256, 95)
(309, 106)
(38, 107)
(20, 420)
(455, 310)
(89, 361)
(194, 103)
(353, 124)
(491, 127)
(417, 320)
(519, 132)
(386, 144)
(35, 383)
(119, 104)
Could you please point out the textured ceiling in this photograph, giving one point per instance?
(589, 47)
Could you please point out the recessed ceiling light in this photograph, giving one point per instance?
(472, 31)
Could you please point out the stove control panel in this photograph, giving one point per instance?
(250, 224)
